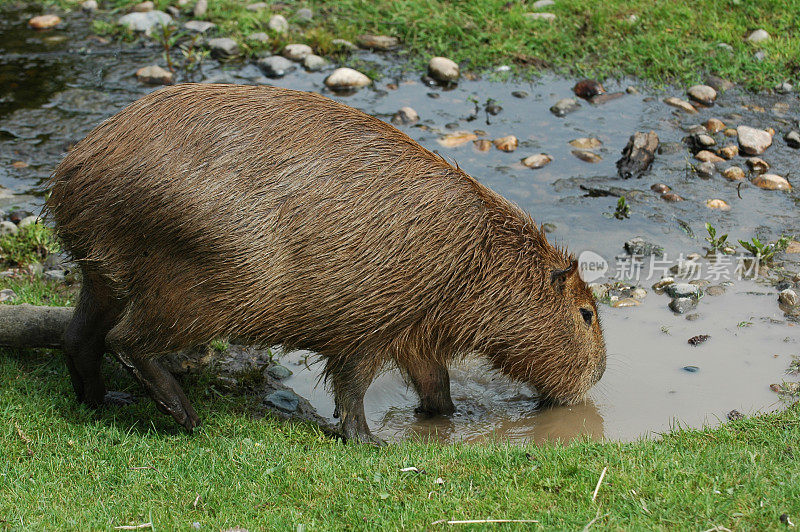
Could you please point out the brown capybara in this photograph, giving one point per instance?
(272, 216)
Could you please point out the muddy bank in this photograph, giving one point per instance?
(57, 85)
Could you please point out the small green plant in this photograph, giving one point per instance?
(220, 345)
(742, 324)
(717, 244)
(168, 36)
(765, 252)
(193, 55)
(623, 209)
(32, 243)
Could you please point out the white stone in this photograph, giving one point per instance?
(347, 78)
(278, 24)
(199, 26)
(758, 36)
(443, 69)
(145, 21)
(154, 75)
(703, 94)
(296, 52)
(753, 141)
(314, 63)
(548, 17)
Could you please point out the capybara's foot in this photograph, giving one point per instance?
(118, 399)
(437, 409)
(353, 434)
(163, 389)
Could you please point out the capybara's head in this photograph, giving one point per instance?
(550, 337)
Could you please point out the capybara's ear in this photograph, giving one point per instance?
(558, 278)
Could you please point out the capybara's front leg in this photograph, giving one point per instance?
(432, 383)
(162, 387)
(350, 382)
(84, 344)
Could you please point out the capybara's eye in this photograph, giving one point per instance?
(587, 315)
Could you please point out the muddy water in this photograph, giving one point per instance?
(56, 86)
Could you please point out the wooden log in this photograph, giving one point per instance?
(30, 326)
(638, 155)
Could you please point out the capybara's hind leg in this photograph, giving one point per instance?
(84, 343)
(350, 382)
(432, 383)
(162, 387)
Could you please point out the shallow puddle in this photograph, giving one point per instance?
(55, 91)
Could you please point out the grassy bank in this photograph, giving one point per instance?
(659, 41)
(65, 466)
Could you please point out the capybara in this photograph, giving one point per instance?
(270, 216)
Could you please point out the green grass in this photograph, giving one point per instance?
(31, 244)
(65, 466)
(670, 42)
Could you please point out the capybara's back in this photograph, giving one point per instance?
(275, 216)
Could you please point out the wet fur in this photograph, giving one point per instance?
(275, 216)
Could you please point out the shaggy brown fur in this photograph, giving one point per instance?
(277, 216)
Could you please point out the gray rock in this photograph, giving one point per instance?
(639, 246)
(669, 148)
(682, 305)
(278, 24)
(758, 36)
(200, 8)
(259, 37)
(714, 290)
(199, 26)
(682, 290)
(547, 17)
(8, 228)
(541, 4)
(691, 369)
(564, 106)
(443, 69)
(223, 48)
(55, 275)
(296, 52)
(173, 11)
(28, 220)
(145, 22)
(275, 66)
(703, 94)
(792, 139)
(283, 400)
(304, 14)
(89, 5)
(276, 371)
(7, 295)
(784, 88)
(313, 63)
(753, 141)
(405, 116)
(35, 268)
(725, 46)
(789, 297)
(258, 6)
(705, 169)
(760, 55)
(719, 84)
